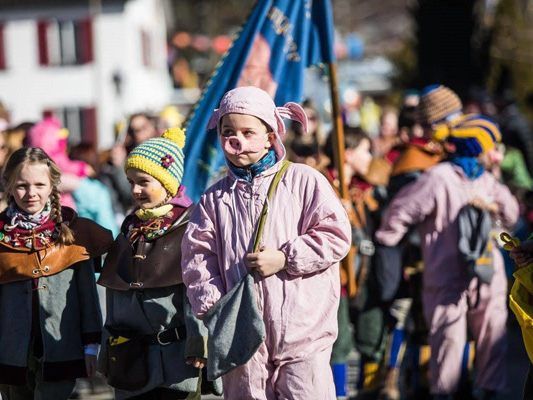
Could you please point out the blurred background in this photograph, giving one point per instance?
(93, 63)
(117, 72)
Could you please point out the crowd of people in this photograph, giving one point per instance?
(268, 286)
(421, 291)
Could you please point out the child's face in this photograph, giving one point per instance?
(244, 139)
(147, 191)
(492, 158)
(389, 125)
(359, 158)
(32, 188)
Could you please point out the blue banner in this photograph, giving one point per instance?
(278, 41)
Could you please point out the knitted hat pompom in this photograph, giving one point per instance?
(177, 135)
(441, 132)
(162, 158)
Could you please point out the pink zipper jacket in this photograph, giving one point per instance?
(433, 203)
(306, 221)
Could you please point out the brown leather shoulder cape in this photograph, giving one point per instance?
(21, 263)
(416, 158)
(145, 264)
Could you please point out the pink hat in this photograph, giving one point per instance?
(50, 136)
(251, 100)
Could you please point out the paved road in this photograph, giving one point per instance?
(517, 365)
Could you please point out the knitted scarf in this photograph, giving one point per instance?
(20, 229)
(470, 166)
(23, 220)
(150, 224)
(250, 172)
(145, 214)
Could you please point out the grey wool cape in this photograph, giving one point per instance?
(69, 316)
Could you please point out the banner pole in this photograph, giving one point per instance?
(338, 160)
(338, 131)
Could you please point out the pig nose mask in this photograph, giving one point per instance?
(236, 145)
(253, 101)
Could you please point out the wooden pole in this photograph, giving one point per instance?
(338, 130)
(338, 160)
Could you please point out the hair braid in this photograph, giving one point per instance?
(55, 204)
(66, 235)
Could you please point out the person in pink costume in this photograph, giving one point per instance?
(307, 233)
(432, 203)
(50, 136)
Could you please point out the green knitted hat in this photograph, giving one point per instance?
(161, 157)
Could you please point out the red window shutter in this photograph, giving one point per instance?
(89, 131)
(85, 40)
(43, 44)
(2, 48)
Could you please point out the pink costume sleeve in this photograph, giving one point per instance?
(409, 207)
(507, 203)
(199, 261)
(326, 230)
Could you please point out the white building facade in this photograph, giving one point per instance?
(90, 63)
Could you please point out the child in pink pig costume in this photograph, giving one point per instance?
(433, 203)
(307, 233)
(50, 136)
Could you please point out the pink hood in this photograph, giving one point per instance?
(50, 136)
(251, 100)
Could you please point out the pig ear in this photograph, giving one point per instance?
(294, 112)
(213, 121)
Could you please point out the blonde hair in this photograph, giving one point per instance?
(36, 155)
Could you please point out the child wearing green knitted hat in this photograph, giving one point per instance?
(145, 292)
(161, 158)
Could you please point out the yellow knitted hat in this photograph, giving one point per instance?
(161, 157)
(472, 134)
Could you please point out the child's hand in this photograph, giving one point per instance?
(483, 205)
(267, 261)
(196, 362)
(523, 254)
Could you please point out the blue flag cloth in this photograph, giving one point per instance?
(277, 42)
